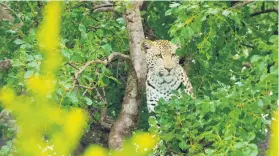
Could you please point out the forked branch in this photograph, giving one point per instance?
(105, 62)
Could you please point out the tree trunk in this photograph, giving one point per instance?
(128, 116)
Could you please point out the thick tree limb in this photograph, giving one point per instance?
(5, 64)
(239, 5)
(128, 116)
(136, 36)
(104, 62)
(264, 11)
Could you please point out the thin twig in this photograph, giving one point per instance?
(70, 64)
(104, 9)
(86, 87)
(103, 5)
(264, 11)
(86, 90)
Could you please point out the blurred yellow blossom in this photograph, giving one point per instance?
(48, 37)
(95, 151)
(144, 141)
(42, 85)
(42, 123)
(7, 95)
(44, 128)
(273, 147)
(48, 34)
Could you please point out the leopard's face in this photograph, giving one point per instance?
(164, 74)
(161, 55)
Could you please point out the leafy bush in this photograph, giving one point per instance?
(225, 124)
(233, 65)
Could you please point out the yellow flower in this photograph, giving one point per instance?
(144, 141)
(42, 85)
(95, 151)
(75, 120)
(48, 34)
(273, 148)
(7, 96)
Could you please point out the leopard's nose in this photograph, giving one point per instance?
(168, 68)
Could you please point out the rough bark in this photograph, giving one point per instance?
(5, 64)
(136, 35)
(6, 14)
(128, 116)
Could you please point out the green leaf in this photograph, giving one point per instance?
(260, 103)
(18, 41)
(226, 12)
(120, 20)
(239, 145)
(251, 136)
(100, 32)
(88, 101)
(174, 5)
(72, 97)
(67, 53)
(274, 39)
(107, 47)
(28, 74)
(183, 145)
(81, 28)
(255, 58)
(209, 151)
(168, 12)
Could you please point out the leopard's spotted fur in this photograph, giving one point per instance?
(164, 72)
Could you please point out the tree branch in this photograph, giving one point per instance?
(264, 11)
(239, 5)
(104, 62)
(104, 7)
(128, 116)
(70, 64)
(5, 64)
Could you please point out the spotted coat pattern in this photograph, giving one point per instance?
(164, 72)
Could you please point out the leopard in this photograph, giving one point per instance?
(164, 73)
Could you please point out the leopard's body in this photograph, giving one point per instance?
(164, 73)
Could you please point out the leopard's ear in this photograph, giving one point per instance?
(146, 44)
(176, 45)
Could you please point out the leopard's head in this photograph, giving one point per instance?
(160, 54)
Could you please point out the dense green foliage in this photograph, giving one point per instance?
(230, 56)
(233, 69)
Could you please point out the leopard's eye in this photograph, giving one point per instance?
(158, 55)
